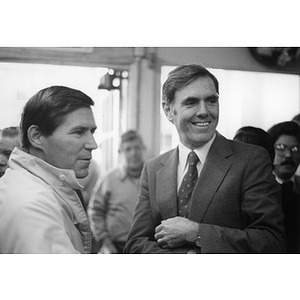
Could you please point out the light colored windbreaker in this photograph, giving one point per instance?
(39, 210)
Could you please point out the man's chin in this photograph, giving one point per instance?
(197, 141)
(288, 169)
(286, 173)
(82, 174)
(135, 166)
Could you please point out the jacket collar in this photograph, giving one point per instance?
(40, 168)
(214, 170)
(216, 167)
(166, 183)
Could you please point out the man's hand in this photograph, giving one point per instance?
(175, 232)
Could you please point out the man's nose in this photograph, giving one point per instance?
(91, 143)
(202, 109)
(288, 153)
(134, 151)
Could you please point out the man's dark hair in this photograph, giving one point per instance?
(48, 108)
(181, 77)
(256, 136)
(290, 128)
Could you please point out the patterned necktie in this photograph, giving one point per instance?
(187, 186)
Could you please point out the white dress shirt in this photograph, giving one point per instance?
(183, 154)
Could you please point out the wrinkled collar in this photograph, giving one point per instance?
(38, 167)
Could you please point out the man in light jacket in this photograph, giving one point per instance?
(41, 208)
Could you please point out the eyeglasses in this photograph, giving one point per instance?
(282, 149)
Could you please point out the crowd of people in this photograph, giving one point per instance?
(208, 195)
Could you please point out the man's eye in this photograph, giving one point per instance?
(212, 101)
(190, 103)
(79, 132)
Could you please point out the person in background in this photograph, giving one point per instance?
(210, 194)
(256, 136)
(111, 210)
(41, 208)
(286, 140)
(297, 120)
(290, 199)
(9, 139)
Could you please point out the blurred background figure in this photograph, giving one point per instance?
(9, 139)
(289, 198)
(111, 208)
(297, 119)
(256, 136)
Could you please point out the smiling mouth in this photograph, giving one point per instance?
(201, 124)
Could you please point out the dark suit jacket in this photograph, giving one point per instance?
(236, 200)
(291, 211)
(297, 184)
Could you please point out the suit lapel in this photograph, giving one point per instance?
(166, 183)
(214, 170)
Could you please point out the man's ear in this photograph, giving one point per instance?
(168, 111)
(35, 137)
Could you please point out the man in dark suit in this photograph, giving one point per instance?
(235, 204)
(285, 137)
(286, 140)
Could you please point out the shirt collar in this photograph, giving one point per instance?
(280, 181)
(201, 152)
